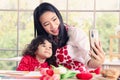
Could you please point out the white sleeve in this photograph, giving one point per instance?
(79, 40)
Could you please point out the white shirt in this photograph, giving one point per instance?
(78, 45)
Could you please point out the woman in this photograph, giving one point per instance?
(71, 44)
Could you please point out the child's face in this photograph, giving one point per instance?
(44, 50)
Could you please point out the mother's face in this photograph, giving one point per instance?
(50, 22)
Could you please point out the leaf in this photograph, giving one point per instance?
(69, 74)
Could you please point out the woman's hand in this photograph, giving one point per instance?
(97, 56)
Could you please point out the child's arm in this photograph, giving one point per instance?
(24, 64)
(37, 68)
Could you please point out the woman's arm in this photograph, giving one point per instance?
(80, 43)
(97, 59)
(79, 39)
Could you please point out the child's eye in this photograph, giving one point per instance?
(50, 47)
(43, 45)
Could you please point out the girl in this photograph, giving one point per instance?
(71, 43)
(38, 54)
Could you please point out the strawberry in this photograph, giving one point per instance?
(91, 71)
(42, 77)
(50, 72)
(97, 71)
(84, 75)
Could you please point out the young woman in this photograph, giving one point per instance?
(71, 43)
(38, 54)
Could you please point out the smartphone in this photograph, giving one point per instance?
(93, 37)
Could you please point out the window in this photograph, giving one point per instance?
(17, 29)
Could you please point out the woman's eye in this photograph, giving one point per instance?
(46, 24)
(54, 19)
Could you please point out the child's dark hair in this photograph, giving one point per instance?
(33, 46)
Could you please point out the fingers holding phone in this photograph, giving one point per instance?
(94, 38)
(96, 52)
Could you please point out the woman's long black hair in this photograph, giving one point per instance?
(33, 46)
(62, 38)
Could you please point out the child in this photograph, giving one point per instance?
(38, 54)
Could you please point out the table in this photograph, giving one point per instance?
(33, 75)
(21, 75)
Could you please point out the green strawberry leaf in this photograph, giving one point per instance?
(69, 74)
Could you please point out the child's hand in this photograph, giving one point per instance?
(37, 68)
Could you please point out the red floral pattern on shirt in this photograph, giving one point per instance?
(29, 63)
(63, 58)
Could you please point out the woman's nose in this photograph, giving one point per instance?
(52, 25)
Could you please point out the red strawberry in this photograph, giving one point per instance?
(97, 71)
(50, 72)
(91, 71)
(84, 75)
(42, 77)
